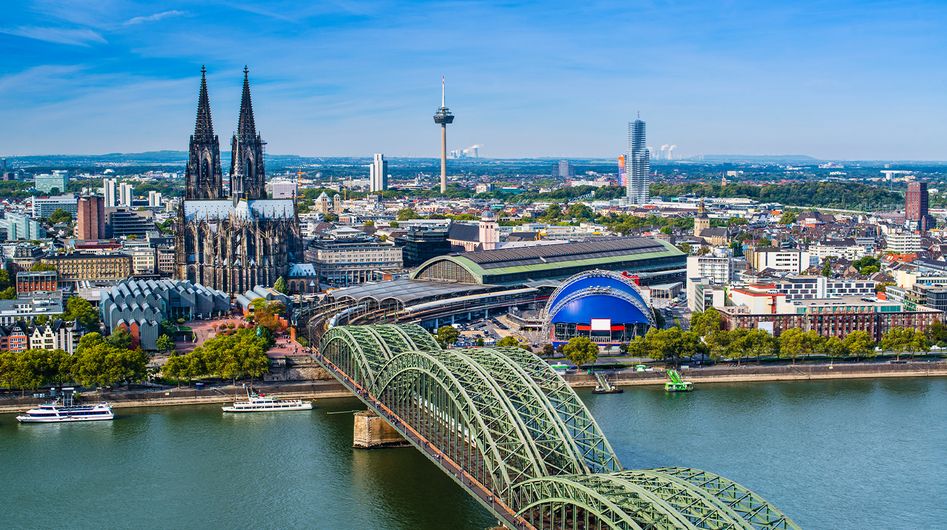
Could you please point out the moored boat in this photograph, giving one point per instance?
(262, 403)
(65, 410)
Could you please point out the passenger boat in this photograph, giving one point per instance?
(262, 403)
(64, 410)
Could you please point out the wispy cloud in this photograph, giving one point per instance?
(154, 18)
(70, 36)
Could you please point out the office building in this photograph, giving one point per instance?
(351, 259)
(125, 192)
(54, 183)
(80, 266)
(563, 169)
(282, 188)
(915, 207)
(716, 269)
(110, 192)
(22, 227)
(124, 223)
(816, 287)
(423, 242)
(640, 161)
(43, 207)
(378, 174)
(793, 261)
(90, 219)
(36, 281)
(154, 199)
(26, 308)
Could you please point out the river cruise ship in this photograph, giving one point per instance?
(64, 410)
(262, 403)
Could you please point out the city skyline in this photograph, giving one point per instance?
(531, 81)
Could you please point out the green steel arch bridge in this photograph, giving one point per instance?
(502, 424)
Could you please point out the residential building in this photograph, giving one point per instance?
(54, 182)
(110, 192)
(14, 337)
(143, 259)
(717, 269)
(164, 260)
(816, 287)
(125, 192)
(903, 243)
(703, 295)
(90, 219)
(832, 317)
(838, 248)
(378, 174)
(154, 199)
(793, 261)
(43, 207)
(56, 335)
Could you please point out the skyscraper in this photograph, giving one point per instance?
(378, 174)
(90, 218)
(109, 192)
(443, 117)
(563, 169)
(915, 207)
(640, 162)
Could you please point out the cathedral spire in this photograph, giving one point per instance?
(247, 173)
(245, 127)
(204, 128)
(204, 179)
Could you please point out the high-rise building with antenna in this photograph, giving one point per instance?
(443, 117)
(639, 162)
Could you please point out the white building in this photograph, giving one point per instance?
(787, 260)
(143, 259)
(282, 188)
(819, 287)
(125, 192)
(903, 242)
(154, 199)
(844, 248)
(109, 192)
(378, 174)
(714, 268)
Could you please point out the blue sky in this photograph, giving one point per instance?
(850, 80)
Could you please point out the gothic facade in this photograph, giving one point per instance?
(238, 242)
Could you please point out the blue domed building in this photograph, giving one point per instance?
(603, 305)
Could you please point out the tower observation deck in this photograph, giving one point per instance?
(443, 117)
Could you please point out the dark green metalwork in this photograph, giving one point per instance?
(518, 431)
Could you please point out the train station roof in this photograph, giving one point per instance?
(407, 291)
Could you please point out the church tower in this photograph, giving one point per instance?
(204, 179)
(247, 175)
(702, 221)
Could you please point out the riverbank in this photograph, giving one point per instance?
(765, 373)
(331, 389)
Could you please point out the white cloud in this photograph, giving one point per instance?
(71, 36)
(154, 18)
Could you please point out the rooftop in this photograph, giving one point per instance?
(407, 291)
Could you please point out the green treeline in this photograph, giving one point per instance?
(229, 356)
(844, 195)
(97, 362)
(707, 338)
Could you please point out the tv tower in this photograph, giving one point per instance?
(442, 117)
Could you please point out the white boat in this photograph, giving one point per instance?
(65, 411)
(263, 403)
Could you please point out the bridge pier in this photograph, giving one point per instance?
(371, 431)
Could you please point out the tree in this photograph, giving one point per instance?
(860, 344)
(80, 310)
(5, 279)
(8, 294)
(164, 343)
(60, 216)
(280, 285)
(937, 334)
(706, 322)
(266, 313)
(794, 342)
(835, 348)
(406, 214)
(827, 268)
(902, 340)
(512, 342)
(447, 336)
(548, 350)
(580, 351)
(788, 217)
(120, 338)
(42, 267)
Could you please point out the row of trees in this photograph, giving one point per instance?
(236, 356)
(96, 362)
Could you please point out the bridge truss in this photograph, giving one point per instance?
(508, 429)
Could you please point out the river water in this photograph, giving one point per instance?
(834, 455)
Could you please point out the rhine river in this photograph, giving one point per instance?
(833, 455)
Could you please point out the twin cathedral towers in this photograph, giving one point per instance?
(238, 242)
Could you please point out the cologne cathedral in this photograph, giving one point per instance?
(238, 242)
